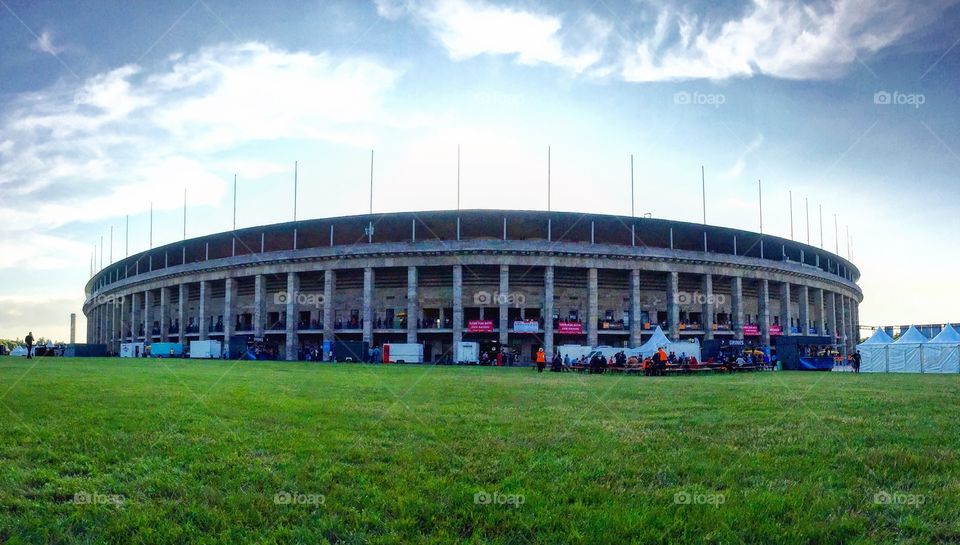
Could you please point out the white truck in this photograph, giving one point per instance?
(402, 353)
(468, 352)
(131, 350)
(205, 349)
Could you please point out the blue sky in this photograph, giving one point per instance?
(105, 108)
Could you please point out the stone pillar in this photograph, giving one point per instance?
(763, 311)
(547, 311)
(367, 312)
(259, 305)
(785, 308)
(147, 316)
(636, 324)
(843, 325)
(707, 317)
(124, 317)
(503, 301)
(736, 307)
(134, 316)
(855, 305)
(164, 314)
(329, 286)
(457, 310)
(292, 342)
(204, 309)
(229, 299)
(413, 305)
(593, 312)
(804, 310)
(673, 305)
(184, 296)
(818, 311)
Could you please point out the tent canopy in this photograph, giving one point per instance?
(879, 337)
(948, 335)
(657, 340)
(912, 336)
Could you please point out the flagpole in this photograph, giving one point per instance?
(234, 202)
(632, 199)
(151, 225)
(458, 177)
(548, 178)
(791, 215)
(760, 197)
(111, 245)
(295, 169)
(184, 213)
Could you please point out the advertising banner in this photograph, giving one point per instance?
(480, 326)
(525, 326)
(570, 328)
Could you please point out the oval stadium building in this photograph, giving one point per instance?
(517, 279)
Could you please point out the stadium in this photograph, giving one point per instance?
(493, 276)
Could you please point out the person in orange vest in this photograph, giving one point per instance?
(541, 360)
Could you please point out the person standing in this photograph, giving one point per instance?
(29, 342)
(541, 360)
(856, 362)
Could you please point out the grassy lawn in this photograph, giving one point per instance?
(111, 451)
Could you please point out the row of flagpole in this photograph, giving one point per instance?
(95, 266)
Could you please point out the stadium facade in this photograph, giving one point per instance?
(488, 275)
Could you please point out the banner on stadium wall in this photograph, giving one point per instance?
(751, 329)
(776, 330)
(526, 326)
(480, 326)
(570, 328)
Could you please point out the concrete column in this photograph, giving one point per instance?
(547, 311)
(457, 310)
(707, 311)
(204, 309)
(818, 311)
(593, 312)
(292, 341)
(413, 305)
(636, 324)
(184, 295)
(367, 311)
(164, 314)
(804, 310)
(785, 307)
(329, 286)
(843, 325)
(503, 301)
(856, 321)
(124, 317)
(763, 311)
(229, 299)
(259, 305)
(134, 316)
(147, 316)
(673, 305)
(736, 307)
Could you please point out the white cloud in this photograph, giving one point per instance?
(122, 138)
(780, 38)
(44, 43)
(468, 28)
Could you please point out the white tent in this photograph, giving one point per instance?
(942, 353)
(906, 355)
(19, 351)
(659, 340)
(873, 352)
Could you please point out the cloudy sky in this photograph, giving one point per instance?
(107, 107)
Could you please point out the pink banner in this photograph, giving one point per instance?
(480, 326)
(570, 328)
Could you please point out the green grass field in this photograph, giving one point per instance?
(111, 451)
